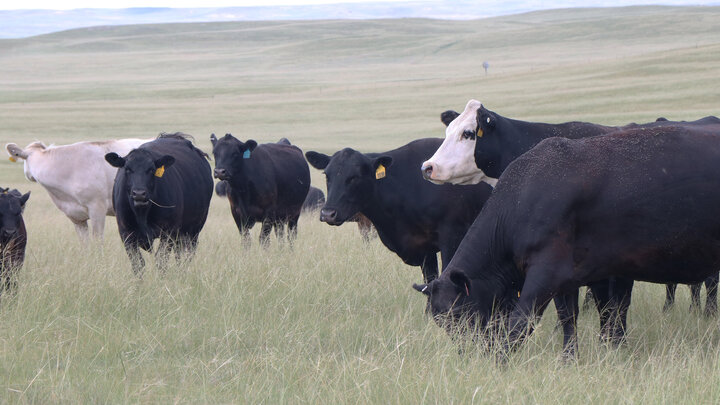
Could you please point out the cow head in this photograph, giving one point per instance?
(454, 161)
(460, 304)
(142, 170)
(230, 155)
(17, 152)
(351, 178)
(12, 203)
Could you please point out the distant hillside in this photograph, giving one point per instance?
(25, 23)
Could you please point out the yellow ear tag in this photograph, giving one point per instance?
(380, 172)
(12, 159)
(160, 171)
(479, 133)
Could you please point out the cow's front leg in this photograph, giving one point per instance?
(136, 260)
(567, 311)
(430, 267)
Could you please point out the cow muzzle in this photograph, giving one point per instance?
(221, 174)
(427, 170)
(139, 197)
(9, 232)
(329, 215)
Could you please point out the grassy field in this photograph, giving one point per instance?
(333, 320)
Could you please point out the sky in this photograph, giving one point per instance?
(73, 4)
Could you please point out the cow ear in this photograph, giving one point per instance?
(15, 151)
(24, 199)
(213, 139)
(166, 161)
(386, 161)
(448, 116)
(317, 159)
(115, 160)
(485, 120)
(250, 145)
(461, 281)
(423, 288)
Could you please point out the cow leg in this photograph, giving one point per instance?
(429, 267)
(567, 311)
(279, 230)
(292, 224)
(162, 254)
(265, 233)
(612, 299)
(81, 227)
(136, 260)
(695, 305)
(669, 296)
(97, 220)
(711, 286)
(589, 299)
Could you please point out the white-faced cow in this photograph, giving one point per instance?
(413, 218)
(13, 236)
(641, 203)
(162, 190)
(76, 177)
(265, 183)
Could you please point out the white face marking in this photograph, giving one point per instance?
(454, 161)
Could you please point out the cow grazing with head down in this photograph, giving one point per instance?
(13, 236)
(162, 190)
(413, 218)
(266, 183)
(480, 144)
(571, 212)
(76, 177)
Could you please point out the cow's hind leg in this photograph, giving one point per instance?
(711, 285)
(567, 312)
(81, 228)
(267, 225)
(292, 224)
(669, 296)
(279, 230)
(695, 305)
(430, 267)
(612, 299)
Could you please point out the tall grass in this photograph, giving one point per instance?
(332, 320)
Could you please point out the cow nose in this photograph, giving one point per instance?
(9, 232)
(220, 174)
(139, 195)
(328, 215)
(427, 169)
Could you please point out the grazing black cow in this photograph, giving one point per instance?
(481, 143)
(413, 218)
(640, 203)
(162, 190)
(266, 183)
(13, 236)
(314, 200)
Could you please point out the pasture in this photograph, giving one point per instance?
(332, 320)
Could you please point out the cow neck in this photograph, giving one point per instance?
(376, 210)
(485, 254)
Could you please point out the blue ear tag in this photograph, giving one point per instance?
(246, 154)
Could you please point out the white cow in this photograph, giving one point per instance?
(454, 161)
(77, 178)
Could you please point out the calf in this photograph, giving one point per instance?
(314, 201)
(413, 218)
(162, 190)
(555, 222)
(266, 183)
(76, 177)
(13, 236)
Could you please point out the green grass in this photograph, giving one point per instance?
(332, 320)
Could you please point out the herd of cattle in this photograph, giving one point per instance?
(521, 213)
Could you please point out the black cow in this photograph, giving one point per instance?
(314, 200)
(481, 143)
(640, 203)
(13, 236)
(266, 183)
(413, 218)
(162, 190)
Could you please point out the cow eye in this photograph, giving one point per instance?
(468, 134)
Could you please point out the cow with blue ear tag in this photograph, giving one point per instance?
(13, 236)
(264, 183)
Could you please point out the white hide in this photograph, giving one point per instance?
(77, 177)
(454, 161)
